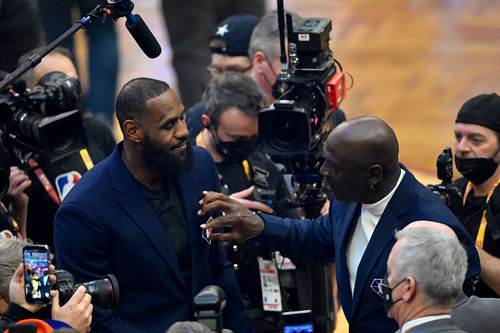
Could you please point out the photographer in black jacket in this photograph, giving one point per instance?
(77, 312)
(477, 157)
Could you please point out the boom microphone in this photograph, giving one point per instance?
(143, 36)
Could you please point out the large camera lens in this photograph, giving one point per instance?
(284, 132)
(105, 293)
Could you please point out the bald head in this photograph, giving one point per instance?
(361, 160)
(370, 138)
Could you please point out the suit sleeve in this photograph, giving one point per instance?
(308, 240)
(83, 251)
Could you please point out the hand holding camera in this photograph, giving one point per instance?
(77, 312)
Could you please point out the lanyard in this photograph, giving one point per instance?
(12, 221)
(482, 227)
(246, 166)
(87, 160)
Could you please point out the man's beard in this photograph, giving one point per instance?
(163, 161)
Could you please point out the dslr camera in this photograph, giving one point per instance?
(447, 191)
(105, 293)
(42, 122)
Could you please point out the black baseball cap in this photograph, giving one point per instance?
(481, 110)
(232, 36)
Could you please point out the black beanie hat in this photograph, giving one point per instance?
(481, 110)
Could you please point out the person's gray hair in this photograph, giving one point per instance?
(11, 255)
(435, 259)
(232, 89)
(188, 327)
(266, 36)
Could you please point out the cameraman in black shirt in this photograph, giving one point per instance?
(64, 173)
(477, 157)
(232, 102)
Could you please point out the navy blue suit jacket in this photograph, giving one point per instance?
(327, 237)
(105, 225)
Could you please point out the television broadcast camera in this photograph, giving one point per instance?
(294, 129)
(42, 122)
(447, 191)
(105, 293)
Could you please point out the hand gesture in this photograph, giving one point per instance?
(244, 223)
(250, 204)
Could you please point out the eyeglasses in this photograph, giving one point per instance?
(214, 70)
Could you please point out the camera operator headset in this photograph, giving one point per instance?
(62, 174)
(477, 157)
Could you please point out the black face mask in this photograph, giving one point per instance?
(387, 294)
(477, 170)
(234, 151)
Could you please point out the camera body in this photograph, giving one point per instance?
(105, 293)
(447, 191)
(43, 121)
(300, 119)
(208, 306)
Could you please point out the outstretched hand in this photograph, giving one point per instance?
(244, 223)
(251, 204)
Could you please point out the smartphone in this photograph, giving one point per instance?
(298, 321)
(36, 274)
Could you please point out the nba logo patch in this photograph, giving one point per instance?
(376, 287)
(206, 233)
(65, 182)
(6, 234)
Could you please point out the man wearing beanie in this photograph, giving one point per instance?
(477, 156)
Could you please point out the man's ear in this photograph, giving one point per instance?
(259, 61)
(132, 131)
(375, 174)
(205, 120)
(410, 289)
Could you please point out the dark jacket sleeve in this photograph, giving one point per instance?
(13, 314)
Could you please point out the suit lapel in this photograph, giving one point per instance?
(191, 194)
(383, 236)
(141, 213)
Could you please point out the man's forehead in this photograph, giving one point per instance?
(466, 128)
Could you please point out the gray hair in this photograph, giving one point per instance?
(435, 259)
(232, 89)
(266, 36)
(11, 255)
(188, 327)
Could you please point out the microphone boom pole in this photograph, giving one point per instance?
(113, 8)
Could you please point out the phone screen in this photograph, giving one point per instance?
(36, 274)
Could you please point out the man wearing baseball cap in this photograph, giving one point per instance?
(229, 49)
(477, 157)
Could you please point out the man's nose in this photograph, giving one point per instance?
(461, 146)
